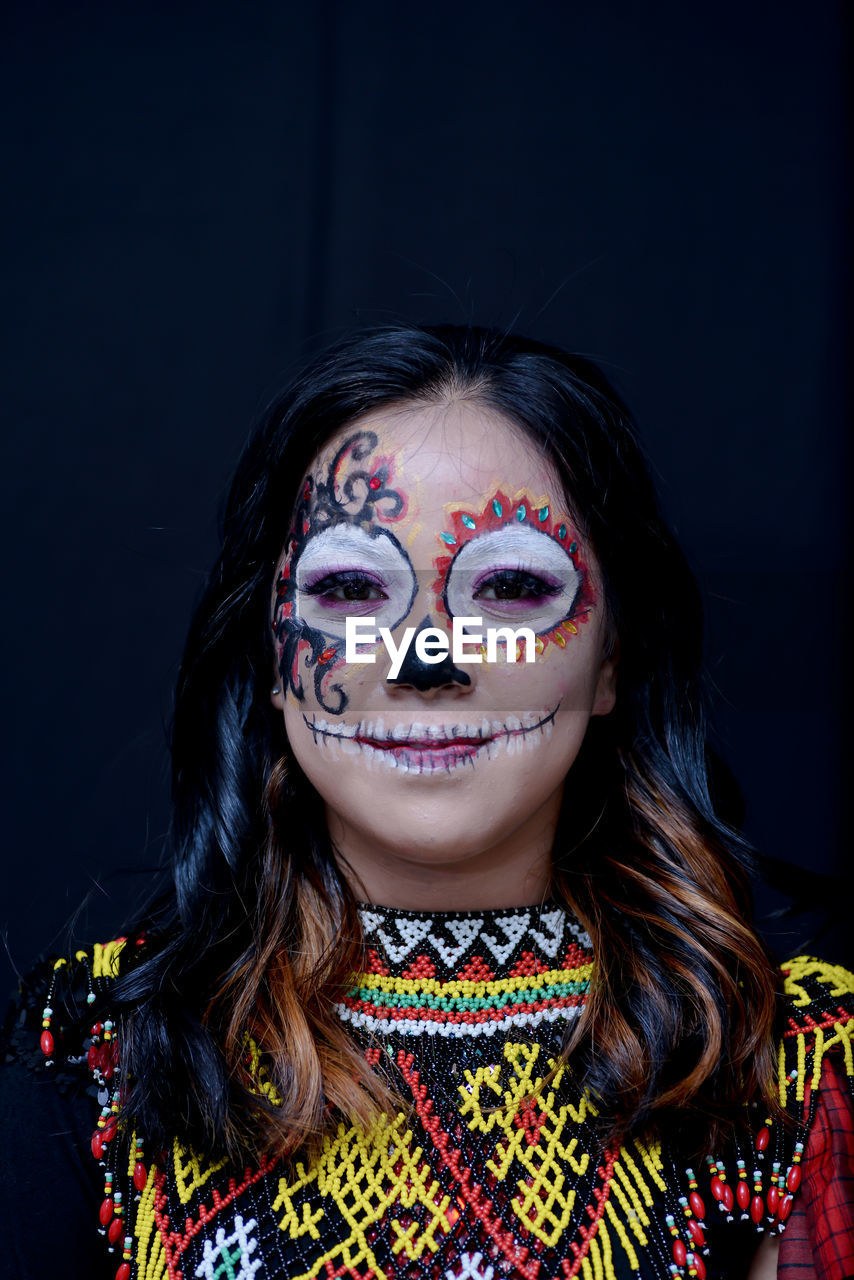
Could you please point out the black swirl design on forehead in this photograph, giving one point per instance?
(362, 497)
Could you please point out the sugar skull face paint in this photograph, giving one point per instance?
(340, 562)
(513, 572)
(516, 559)
(415, 516)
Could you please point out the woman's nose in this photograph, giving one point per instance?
(427, 677)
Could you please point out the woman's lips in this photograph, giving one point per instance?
(424, 744)
(428, 748)
(428, 753)
(377, 734)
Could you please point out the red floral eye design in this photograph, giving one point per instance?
(515, 560)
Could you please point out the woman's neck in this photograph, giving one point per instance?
(513, 872)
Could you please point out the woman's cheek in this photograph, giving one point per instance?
(554, 676)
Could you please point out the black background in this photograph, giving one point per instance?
(199, 196)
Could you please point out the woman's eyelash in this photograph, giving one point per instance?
(514, 584)
(352, 584)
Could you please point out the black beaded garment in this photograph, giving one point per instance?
(488, 1172)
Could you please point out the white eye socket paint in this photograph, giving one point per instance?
(344, 571)
(513, 573)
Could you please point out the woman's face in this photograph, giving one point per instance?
(412, 518)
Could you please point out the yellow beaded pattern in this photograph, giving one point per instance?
(386, 1178)
(457, 988)
(189, 1173)
(366, 1176)
(105, 958)
(541, 1206)
(150, 1256)
(258, 1072)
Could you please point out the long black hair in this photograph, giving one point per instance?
(260, 931)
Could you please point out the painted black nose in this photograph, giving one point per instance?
(424, 676)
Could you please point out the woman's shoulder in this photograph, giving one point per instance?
(818, 1006)
(58, 1090)
(816, 1087)
(816, 1032)
(61, 1006)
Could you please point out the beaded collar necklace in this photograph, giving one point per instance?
(462, 973)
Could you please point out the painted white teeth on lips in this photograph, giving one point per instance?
(333, 731)
(417, 732)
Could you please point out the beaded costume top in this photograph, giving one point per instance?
(493, 1168)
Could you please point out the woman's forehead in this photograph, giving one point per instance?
(443, 452)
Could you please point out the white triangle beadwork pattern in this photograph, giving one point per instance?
(466, 933)
(513, 928)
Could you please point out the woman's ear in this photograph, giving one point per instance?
(605, 698)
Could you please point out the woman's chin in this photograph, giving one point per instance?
(452, 829)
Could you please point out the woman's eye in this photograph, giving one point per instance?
(346, 588)
(514, 584)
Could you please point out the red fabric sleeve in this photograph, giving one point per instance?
(818, 1243)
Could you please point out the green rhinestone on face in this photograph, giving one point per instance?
(497, 507)
(573, 547)
(449, 539)
(543, 514)
(561, 533)
(468, 522)
(521, 513)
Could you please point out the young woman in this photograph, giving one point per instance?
(457, 978)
